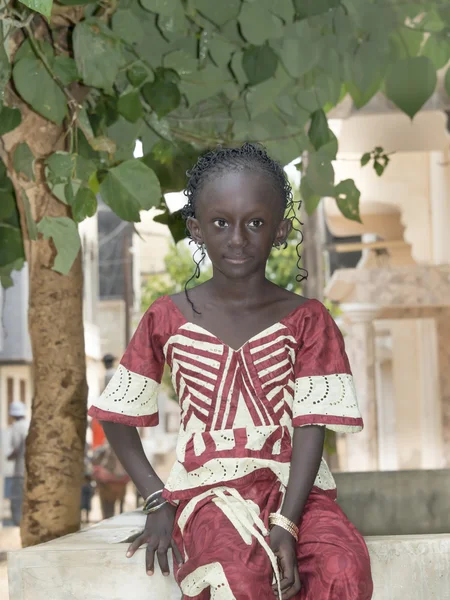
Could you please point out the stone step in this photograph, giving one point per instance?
(91, 565)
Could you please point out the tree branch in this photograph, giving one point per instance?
(19, 23)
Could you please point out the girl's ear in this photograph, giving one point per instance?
(283, 231)
(194, 229)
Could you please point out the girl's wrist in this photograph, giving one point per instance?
(276, 519)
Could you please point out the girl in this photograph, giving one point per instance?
(249, 508)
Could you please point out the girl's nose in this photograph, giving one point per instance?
(237, 238)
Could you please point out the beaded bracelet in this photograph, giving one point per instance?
(285, 523)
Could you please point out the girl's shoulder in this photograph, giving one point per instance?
(309, 315)
(163, 315)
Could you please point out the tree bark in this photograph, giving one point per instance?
(56, 440)
(312, 255)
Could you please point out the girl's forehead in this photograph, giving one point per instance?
(236, 189)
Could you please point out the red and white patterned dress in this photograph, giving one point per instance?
(238, 411)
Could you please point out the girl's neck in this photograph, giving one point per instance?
(237, 292)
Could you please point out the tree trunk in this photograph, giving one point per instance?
(56, 441)
(312, 254)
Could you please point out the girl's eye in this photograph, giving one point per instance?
(257, 223)
(220, 222)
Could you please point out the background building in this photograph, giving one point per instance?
(395, 301)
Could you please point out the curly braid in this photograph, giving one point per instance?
(249, 156)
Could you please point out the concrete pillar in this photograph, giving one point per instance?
(439, 190)
(386, 413)
(408, 395)
(362, 448)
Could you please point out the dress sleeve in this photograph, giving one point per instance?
(324, 390)
(131, 396)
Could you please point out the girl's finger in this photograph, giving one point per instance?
(162, 558)
(177, 554)
(138, 542)
(150, 558)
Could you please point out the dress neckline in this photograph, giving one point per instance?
(253, 337)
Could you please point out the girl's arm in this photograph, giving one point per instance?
(127, 445)
(307, 449)
(157, 534)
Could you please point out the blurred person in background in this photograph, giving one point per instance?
(17, 435)
(111, 479)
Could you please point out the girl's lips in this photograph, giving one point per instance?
(237, 260)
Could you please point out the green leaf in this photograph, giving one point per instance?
(218, 12)
(366, 68)
(263, 96)
(237, 69)
(347, 199)
(130, 188)
(174, 25)
(10, 118)
(379, 168)
(30, 78)
(282, 9)
(137, 74)
(66, 69)
(61, 165)
(329, 150)
(175, 223)
(41, 6)
(11, 244)
(66, 173)
(318, 131)
(97, 53)
(129, 105)
(437, 50)
(162, 96)
(410, 83)
(320, 174)
(311, 203)
(447, 81)
(311, 8)
(5, 66)
(64, 233)
(310, 199)
(360, 98)
(26, 50)
(258, 24)
(406, 42)
(7, 204)
(76, 2)
(31, 224)
(128, 26)
(162, 7)
(23, 160)
(259, 63)
(221, 51)
(365, 158)
(182, 62)
(84, 124)
(299, 55)
(84, 204)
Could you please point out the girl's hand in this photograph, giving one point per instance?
(157, 535)
(283, 545)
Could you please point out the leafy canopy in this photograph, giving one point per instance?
(182, 76)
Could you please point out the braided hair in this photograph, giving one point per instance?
(249, 156)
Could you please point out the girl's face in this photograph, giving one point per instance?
(238, 218)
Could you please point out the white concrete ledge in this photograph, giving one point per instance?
(91, 565)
